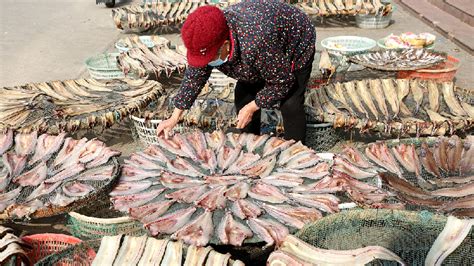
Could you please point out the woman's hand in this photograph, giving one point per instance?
(166, 126)
(245, 114)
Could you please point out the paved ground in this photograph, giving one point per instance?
(51, 39)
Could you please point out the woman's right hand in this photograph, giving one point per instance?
(166, 126)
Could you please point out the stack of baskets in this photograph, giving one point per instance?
(104, 66)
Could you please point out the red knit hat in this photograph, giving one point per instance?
(203, 33)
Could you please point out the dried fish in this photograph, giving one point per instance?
(170, 223)
(364, 93)
(447, 89)
(376, 91)
(154, 252)
(316, 256)
(391, 96)
(197, 232)
(433, 96)
(6, 141)
(351, 91)
(448, 240)
(232, 232)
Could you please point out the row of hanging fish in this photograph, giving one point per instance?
(73, 104)
(144, 250)
(12, 248)
(403, 59)
(439, 177)
(48, 171)
(399, 106)
(230, 188)
(141, 17)
(294, 251)
(156, 60)
(343, 7)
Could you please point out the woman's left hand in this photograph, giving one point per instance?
(245, 115)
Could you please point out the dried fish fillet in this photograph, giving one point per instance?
(448, 240)
(131, 250)
(109, 246)
(196, 255)
(173, 254)
(154, 252)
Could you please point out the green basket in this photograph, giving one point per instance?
(408, 234)
(104, 66)
(86, 227)
(350, 44)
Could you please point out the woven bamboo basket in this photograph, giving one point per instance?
(409, 234)
(326, 105)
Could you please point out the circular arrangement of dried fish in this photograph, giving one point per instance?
(141, 17)
(439, 174)
(73, 104)
(143, 61)
(42, 176)
(343, 7)
(394, 107)
(399, 59)
(203, 187)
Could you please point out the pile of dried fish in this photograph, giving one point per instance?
(399, 59)
(73, 104)
(443, 173)
(200, 187)
(11, 246)
(144, 250)
(137, 41)
(141, 17)
(156, 60)
(44, 175)
(294, 251)
(344, 7)
(401, 106)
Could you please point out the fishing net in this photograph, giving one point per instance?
(81, 254)
(408, 234)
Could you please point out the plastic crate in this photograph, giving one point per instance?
(44, 245)
(104, 66)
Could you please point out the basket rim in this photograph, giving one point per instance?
(90, 219)
(143, 120)
(52, 237)
(113, 56)
(381, 41)
(369, 43)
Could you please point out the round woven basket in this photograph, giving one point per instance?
(87, 227)
(322, 137)
(349, 44)
(104, 66)
(44, 245)
(409, 234)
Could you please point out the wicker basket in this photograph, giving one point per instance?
(87, 227)
(82, 254)
(381, 44)
(322, 137)
(371, 21)
(409, 234)
(104, 66)
(146, 129)
(44, 245)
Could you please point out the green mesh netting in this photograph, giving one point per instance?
(408, 234)
(81, 254)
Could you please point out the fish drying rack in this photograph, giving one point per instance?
(409, 234)
(393, 128)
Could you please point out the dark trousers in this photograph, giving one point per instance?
(291, 107)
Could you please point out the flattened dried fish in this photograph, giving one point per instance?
(268, 193)
(6, 141)
(232, 232)
(391, 96)
(417, 94)
(237, 191)
(77, 189)
(109, 247)
(196, 255)
(173, 254)
(154, 251)
(433, 96)
(448, 95)
(458, 191)
(198, 232)
(245, 209)
(130, 250)
(356, 158)
(187, 195)
(283, 179)
(376, 91)
(33, 177)
(351, 91)
(274, 145)
(217, 259)
(25, 143)
(291, 215)
(325, 202)
(46, 146)
(171, 222)
(316, 256)
(150, 212)
(364, 93)
(448, 240)
(268, 230)
(343, 166)
(404, 187)
(125, 202)
(212, 199)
